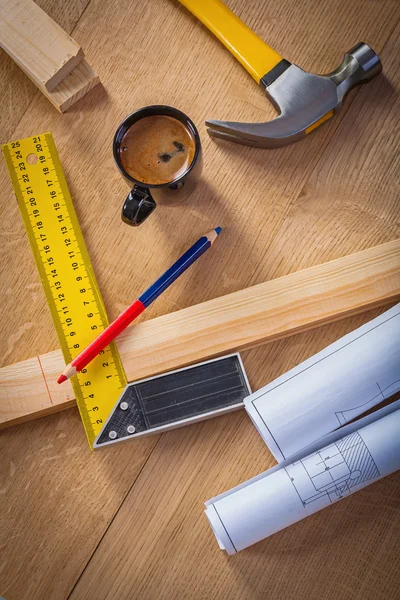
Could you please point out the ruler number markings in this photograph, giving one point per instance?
(56, 241)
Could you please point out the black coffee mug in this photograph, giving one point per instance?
(143, 197)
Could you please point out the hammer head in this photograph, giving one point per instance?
(304, 100)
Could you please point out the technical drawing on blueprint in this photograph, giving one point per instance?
(333, 468)
(383, 391)
(331, 388)
(330, 473)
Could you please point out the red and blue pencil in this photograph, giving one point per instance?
(135, 309)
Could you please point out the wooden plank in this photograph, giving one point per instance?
(43, 50)
(244, 319)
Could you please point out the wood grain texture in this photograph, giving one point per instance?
(266, 312)
(37, 44)
(84, 525)
(73, 87)
(16, 89)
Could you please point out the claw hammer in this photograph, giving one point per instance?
(304, 100)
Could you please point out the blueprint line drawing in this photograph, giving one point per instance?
(330, 473)
(344, 416)
(334, 467)
(329, 389)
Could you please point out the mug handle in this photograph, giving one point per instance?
(138, 205)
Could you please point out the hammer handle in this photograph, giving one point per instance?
(254, 54)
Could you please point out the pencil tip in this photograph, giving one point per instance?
(213, 234)
(62, 378)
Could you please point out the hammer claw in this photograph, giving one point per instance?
(272, 134)
(231, 138)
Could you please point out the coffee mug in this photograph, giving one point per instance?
(158, 150)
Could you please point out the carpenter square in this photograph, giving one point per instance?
(177, 398)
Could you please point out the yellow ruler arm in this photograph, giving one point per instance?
(66, 273)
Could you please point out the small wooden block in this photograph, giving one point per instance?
(42, 49)
(75, 86)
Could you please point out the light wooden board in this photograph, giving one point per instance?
(333, 194)
(43, 50)
(243, 319)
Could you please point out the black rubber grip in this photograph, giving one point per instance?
(274, 73)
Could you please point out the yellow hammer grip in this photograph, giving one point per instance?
(254, 54)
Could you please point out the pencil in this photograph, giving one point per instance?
(134, 310)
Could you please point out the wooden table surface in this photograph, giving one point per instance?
(128, 523)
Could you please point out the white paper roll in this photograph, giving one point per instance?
(304, 485)
(331, 388)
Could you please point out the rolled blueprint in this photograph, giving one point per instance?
(303, 485)
(324, 392)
